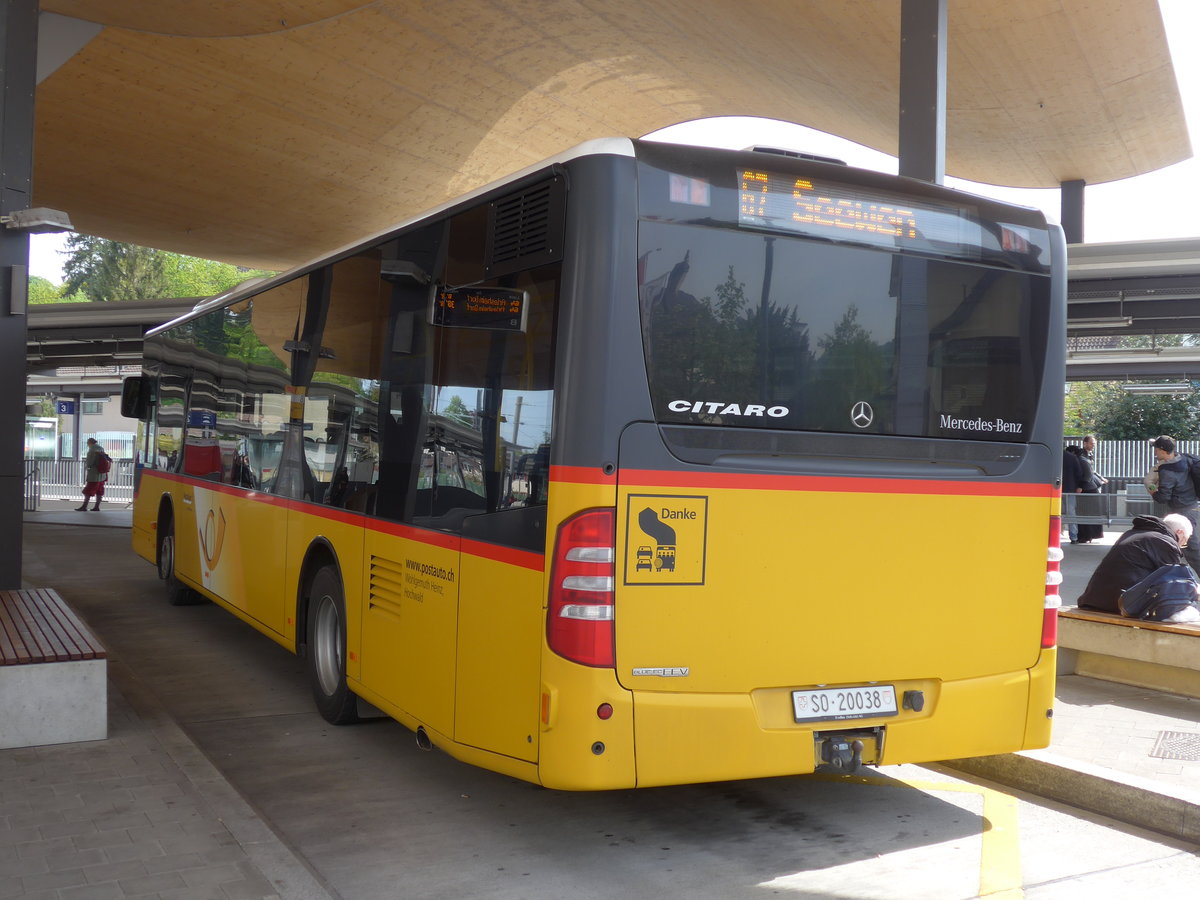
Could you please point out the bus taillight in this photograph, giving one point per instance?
(1054, 556)
(579, 618)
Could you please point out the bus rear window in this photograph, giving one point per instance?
(770, 331)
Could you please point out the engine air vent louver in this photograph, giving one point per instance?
(525, 228)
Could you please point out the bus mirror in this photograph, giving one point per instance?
(135, 397)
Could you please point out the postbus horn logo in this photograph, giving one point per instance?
(861, 414)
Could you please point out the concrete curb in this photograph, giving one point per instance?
(289, 873)
(1126, 798)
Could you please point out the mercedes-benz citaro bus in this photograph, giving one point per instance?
(647, 465)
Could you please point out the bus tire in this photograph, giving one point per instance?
(325, 658)
(178, 594)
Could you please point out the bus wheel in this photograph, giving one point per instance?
(326, 656)
(178, 594)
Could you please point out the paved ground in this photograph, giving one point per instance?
(146, 813)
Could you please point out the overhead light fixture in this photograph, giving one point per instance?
(1174, 388)
(39, 220)
(1100, 322)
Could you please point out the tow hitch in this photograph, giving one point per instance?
(844, 752)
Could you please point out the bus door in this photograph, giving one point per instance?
(411, 570)
(501, 579)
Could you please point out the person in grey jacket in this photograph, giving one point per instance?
(1175, 489)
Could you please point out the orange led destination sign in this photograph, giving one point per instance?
(495, 309)
(841, 212)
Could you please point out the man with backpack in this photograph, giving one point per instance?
(96, 463)
(1172, 481)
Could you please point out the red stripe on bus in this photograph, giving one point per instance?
(839, 484)
(409, 532)
(582, 475)
(524, 559)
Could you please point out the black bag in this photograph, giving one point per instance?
(1161, 594)
(1193, 470)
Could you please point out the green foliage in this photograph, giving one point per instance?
(42, 290)
(457, 410)
(103, 270)
(1109, 412)
(187, 276)
(230, 333)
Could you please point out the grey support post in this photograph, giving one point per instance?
(1071, 204)
(923, 89)
(18, 65)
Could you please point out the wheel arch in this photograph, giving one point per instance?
(320, 554)
(166, 516)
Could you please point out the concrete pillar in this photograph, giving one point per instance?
(923, 89)
(18, 72)
(1071, 200)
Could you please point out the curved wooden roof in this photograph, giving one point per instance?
(233, 131)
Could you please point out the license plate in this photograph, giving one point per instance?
(825, 704)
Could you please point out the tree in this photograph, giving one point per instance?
(105, 270)
(42, 290)
(1111, 412)
(457, 410)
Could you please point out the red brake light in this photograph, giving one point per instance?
(1052, 603)
(579, 617)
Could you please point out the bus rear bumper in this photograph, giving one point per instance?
(684, 738)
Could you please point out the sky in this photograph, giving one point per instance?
(1111, 211)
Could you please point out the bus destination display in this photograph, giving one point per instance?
(494, 309)
(840, 212)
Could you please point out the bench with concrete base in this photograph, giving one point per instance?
(53, 677)
(1164, 657)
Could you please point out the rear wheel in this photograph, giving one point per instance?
(178, 594)
(325, 659)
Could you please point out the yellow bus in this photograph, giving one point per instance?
(647, 465)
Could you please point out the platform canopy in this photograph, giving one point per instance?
(266, 132)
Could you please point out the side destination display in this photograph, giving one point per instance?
(493, 309)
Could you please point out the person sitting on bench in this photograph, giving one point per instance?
(1151, 542)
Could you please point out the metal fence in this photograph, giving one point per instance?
(31, 485)
(1124, 464)
(63, 479)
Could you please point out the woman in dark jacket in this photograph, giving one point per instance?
(1088, 483)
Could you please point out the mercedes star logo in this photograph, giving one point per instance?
(861, 414)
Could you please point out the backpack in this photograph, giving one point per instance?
(103, 463)
(1159, 595)
(1193, 470)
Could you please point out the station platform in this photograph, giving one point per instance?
(149, 812)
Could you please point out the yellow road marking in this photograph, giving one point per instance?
(1000, 853)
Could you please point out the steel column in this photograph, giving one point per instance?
(18, 71)
(1071, 204)
(923, 89)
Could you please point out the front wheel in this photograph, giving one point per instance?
(326, 656)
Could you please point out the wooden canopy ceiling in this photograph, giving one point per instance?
(266, 132)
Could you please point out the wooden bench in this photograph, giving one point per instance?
(53, 673)
(1157, 655)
